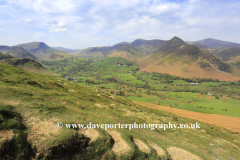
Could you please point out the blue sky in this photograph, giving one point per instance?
(79, 24)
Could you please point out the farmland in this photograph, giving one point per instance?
(117, 74)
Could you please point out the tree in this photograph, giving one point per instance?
(120, 93)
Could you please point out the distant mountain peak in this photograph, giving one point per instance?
(42, 51)
(216, 44)
(43, 45)
(177, 41)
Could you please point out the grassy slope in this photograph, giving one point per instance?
(43, 101)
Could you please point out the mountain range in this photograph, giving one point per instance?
(214, 44)
(181, 59)
(208, 58)
(42, 51)
(124, 50)
(173, 56)
(66, 50)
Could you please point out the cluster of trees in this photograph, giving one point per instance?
(112, 79)
(47, 62)
(168, 78)
(230, 84)
(89, 82)
(128, 63)
(135, 69)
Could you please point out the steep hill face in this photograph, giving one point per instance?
(178, 58)
(20, 62)
(42, 51)
(16, 51)
(147, 46)
(216, 44)
(230, 55)
(25, 64)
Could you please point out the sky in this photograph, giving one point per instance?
(78, 24)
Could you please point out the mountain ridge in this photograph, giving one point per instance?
(216, 44)
(16, 51)
(66, 50)
(178, 58)
(42, 51)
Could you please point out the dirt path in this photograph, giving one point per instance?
(6, 135)
(90, 133)
(120, 145)
(141, 146)
(158, 149)
(228, 122)
(181, 154)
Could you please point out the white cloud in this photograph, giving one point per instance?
(166, 8)
(58, 26)
(91, 21)
(61, 25)
(29, 21)
(53, 22)
(46, 5)
(59, 30)
(137, 26)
